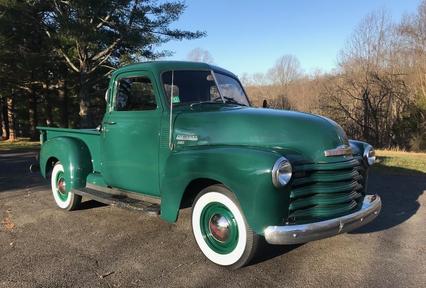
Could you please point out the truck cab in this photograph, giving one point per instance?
(179, 134)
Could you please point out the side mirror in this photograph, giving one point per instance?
(265, 104)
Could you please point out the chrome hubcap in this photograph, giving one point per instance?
(219, 227)
(61, 185)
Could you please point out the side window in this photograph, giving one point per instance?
(135, 94)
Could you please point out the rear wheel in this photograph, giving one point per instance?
(61, 191)
(220, 228)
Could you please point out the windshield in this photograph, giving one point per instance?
(200, 86)
(231, 90)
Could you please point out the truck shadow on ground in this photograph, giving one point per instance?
(267, 251)
(15, 173)
(90, 204)
(399, 190)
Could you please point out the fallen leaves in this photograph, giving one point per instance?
(8, 224)
(7, 221)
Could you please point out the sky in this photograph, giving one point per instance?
(248, 36)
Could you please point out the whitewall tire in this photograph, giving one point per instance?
(220, 228)
(64, 198)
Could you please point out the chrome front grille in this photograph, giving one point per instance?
(322, 191)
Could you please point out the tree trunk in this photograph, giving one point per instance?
(32, 114)
(48, 112)
(365, 129)
(3, 121)
(85, 113)
(11, 118)
(63, 98)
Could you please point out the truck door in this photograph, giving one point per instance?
(130, 134)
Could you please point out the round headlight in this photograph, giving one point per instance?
(281, 172)
(370, 155)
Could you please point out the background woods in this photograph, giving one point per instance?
(56, 56)
(378, 91)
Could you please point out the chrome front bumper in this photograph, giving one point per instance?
(294, 234)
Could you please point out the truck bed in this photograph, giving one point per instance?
(88, 136)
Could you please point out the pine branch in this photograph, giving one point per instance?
(68, 60)
(103, 21)
(106, 51)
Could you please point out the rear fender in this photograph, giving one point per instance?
(74, 155)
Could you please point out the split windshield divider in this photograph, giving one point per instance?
(218, 90)
(217, 85)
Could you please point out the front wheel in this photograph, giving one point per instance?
(220, 228)
(63, 197)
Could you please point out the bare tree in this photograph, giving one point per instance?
(369, 46)
(286, 70)
(255, 79)
(413, 32)
(200, 55)
(370, 95)
(378, 92)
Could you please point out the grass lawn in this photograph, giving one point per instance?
(401, 162)
(19, 144)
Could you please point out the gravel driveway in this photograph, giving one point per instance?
(103, 246)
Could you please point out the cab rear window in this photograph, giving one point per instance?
(135, 94)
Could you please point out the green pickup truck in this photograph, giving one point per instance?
(177, 134)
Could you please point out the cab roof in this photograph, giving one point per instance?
(160, 66)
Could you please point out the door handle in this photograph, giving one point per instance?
(110, 123)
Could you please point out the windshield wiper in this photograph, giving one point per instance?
(229, 100)
(205, 102)
(233, 101)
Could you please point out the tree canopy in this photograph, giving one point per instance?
(55, 55)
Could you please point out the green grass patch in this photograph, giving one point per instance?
(19, 144)
(401, 162)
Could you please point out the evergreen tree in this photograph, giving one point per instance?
(95, 36)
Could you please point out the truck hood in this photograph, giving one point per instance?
(287, 132)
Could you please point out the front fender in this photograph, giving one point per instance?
(358, 147)
(245, 171)
(73, 154)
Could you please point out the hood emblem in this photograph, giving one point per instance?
(342, 150)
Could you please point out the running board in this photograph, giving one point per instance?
(119, 201)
